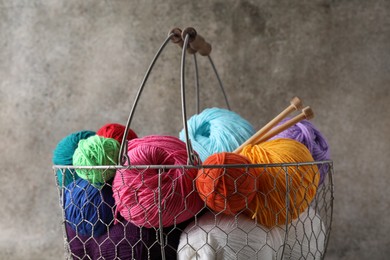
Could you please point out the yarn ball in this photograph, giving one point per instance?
(269, 206)
(94, 151)
(306, 133)
(217, 130)
(63, 154)
(223, 237)
(227, 190)
(88, 210)
(136, 191)
(226, 237)
(124, 240)
(305, 238)
(116, 132)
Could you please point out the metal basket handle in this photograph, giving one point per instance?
(190, 41)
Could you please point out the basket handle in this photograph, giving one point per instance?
(197, 43)
(192, 43)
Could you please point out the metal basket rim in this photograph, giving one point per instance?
(270, 165)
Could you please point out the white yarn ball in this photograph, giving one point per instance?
(306, 237)
(220, 237)
(224, 237)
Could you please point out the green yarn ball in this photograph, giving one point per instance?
(95, 151)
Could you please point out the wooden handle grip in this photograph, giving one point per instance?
(196, 41)
(177, 39)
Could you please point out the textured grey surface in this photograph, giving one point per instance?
(73, 65)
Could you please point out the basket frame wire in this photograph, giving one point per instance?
(287, 203)
(191, 157)
(197, 92)
(123, 147)
(160, 217)
(331, 184)
(193, 160)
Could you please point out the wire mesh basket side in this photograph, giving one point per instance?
(207, 233)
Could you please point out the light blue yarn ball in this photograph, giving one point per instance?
(217, 130)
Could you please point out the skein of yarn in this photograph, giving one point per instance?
(63, 154)
(125, 241)
(305, 237)
(269, 205)
(88, 210)
(94, 151)
(221, 237)
(225, 237)
(136, 191)
(217, 130)
(306, 133)
(116, 132)
(226, 190)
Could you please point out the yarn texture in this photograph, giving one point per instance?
(136, 191)
(225, 237)
(116, 132)
(88, 210)
(125, 241)
(217, 130)
(269, 206)
(63, 154)
(306, 133)
(94, 151)
(305, 237)
(226, 190)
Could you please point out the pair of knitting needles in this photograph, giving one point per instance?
(268, 131)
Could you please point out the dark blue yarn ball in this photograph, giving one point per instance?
(88, 210)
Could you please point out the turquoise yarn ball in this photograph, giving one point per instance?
(63, 154)
(217, 130)
(96, 151)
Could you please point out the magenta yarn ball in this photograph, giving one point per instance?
(136, 191)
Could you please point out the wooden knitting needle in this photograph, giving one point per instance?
(295, 104)
(307, 113)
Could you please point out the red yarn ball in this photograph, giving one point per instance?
(116, 132)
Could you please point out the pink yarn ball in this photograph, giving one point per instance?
(136, 191)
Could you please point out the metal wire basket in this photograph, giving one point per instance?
(208, 235)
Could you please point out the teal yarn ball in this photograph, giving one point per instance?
(63, 154)
(95, 151)
(217, 130)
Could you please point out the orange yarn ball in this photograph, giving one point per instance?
(269, 206)
(227, 190)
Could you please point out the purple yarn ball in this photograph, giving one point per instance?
(306, 133)
(124, 240)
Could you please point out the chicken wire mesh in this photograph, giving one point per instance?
(208, 235)
(96, 230)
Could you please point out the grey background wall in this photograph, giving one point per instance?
(72, 65)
